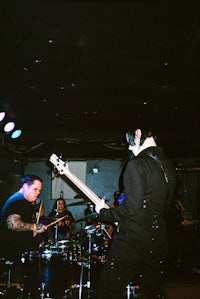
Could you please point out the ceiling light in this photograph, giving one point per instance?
(16, 134)
(9, 127)
(2, 115)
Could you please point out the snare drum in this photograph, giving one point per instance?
(69, 249)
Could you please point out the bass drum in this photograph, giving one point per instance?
(48, 274)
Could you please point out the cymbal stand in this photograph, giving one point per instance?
(103, 228)
(88, 265)
(131, 291)
(56, 226)
(42, 283)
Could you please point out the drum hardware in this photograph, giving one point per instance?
(64, 258)
(9, 264)
(102, 228)
(42, 290)
(56, 226)
(80, 286)
(62, 244)
(69, 249)
(90, 230)
(100, 240)
(82, 203)
(67, 243)
(47, 254)
(131, 291)
(92, 215)
(79, 203)
(10, 285)
(9, 289)
(55, 222)
(31, 258)
(53, 271)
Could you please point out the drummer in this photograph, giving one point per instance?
(17, 229)
(63, 229)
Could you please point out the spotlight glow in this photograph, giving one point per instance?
(16, 134)
(2, 115)
(9, 127)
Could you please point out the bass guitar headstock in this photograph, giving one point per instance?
(58, 163)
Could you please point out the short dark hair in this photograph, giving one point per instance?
(130, 136)
(29, 179)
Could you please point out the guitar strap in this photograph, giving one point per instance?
(155, 158)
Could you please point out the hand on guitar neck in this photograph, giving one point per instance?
(100, 205)
(62, 168)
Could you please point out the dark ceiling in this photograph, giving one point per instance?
(75, 75)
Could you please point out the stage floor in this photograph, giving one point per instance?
(179, 284)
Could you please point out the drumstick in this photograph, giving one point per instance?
(40, 209)
(54, 222)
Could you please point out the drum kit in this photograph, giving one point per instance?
(67, 268)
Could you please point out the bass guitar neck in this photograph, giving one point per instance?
(62, 168)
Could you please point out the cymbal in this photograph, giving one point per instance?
(80, 203)
(92, 215)
(62, 244)
(65, 241)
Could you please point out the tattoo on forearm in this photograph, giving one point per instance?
(9, 224)
(14, 222)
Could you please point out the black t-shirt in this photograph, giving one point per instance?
(14, 243)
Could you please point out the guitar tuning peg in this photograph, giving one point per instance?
(55, 171)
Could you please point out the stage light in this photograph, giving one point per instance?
(16, 134)
(9, 127)
(2, 115)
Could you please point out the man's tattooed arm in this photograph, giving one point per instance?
(14, 222)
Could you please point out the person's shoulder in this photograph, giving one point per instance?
(137, 160)
(15, 198)
(135, 164)
(68, 212)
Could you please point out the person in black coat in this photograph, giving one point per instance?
(140, 245)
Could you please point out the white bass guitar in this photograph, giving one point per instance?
(62, 168)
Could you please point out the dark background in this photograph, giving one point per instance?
(75, 75)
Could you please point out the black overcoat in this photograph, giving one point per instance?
(149, 188)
